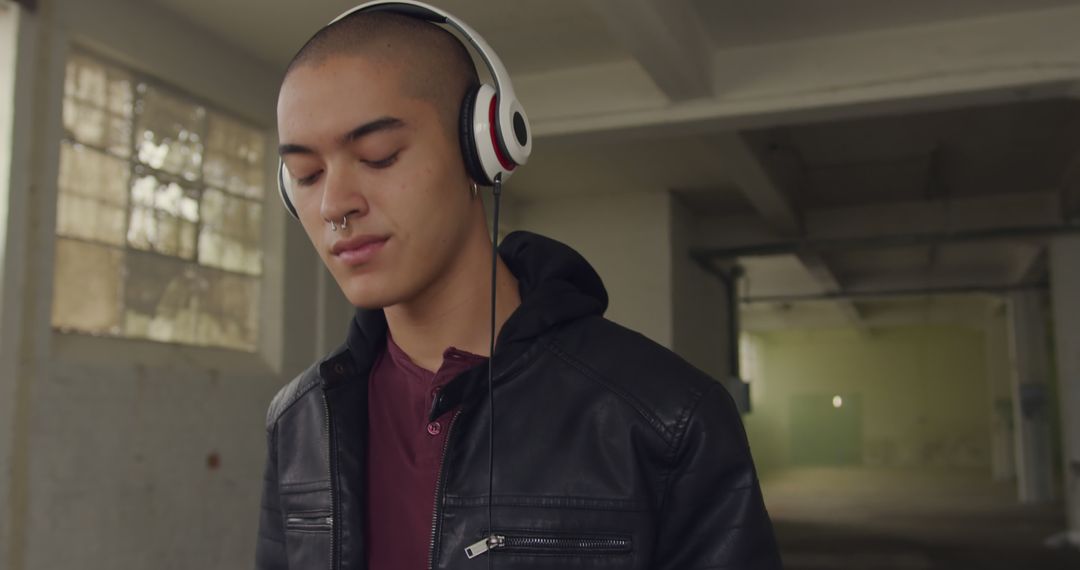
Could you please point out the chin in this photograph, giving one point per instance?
(366, 292)
(364, 298)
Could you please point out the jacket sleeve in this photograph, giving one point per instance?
(270, 545)
(713, 515)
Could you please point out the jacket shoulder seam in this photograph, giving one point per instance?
(599, 378)
(305, 382)
(683, 424)
(683, 427)
(670, 471)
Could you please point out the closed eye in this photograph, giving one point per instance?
(377, 164)
(384, 163)
(308, 180)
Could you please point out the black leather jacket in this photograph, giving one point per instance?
(609, 450)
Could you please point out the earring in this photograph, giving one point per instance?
(475, 189)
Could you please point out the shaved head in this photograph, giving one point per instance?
(368, 121)
(431, 64)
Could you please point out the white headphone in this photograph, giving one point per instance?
(495, 133)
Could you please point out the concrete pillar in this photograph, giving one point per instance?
(1065, 300)
(1031, 411)
(703, 331)
(1002, 456)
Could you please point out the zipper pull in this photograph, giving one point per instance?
(490, 543)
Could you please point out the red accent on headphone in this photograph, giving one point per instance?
(506, 163)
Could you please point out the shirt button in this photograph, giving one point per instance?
(434, 428)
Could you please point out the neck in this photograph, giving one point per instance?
(456, 309)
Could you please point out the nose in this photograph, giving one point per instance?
(343, 194)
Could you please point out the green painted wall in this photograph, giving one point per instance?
(911, 396)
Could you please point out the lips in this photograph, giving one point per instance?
(359, 249)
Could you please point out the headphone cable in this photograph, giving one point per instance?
(497, 194)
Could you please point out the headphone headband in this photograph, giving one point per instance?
(508, 105)
(422, 11)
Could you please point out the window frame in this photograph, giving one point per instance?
(265, 331)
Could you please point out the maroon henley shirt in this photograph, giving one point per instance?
(404, 455)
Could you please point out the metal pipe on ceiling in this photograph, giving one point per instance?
(706, 255)
(892, 293)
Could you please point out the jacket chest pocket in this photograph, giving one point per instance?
(552, 544)
(308, 538)
(310, 521)
(533, 532)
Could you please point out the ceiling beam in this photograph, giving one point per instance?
(1006, 58)
(916, 222)
(759, 184)
(886, 293)
(762, 317)
(755, 181)
(810, 244)
(816, 266)
(666, 38)
(1034, 268)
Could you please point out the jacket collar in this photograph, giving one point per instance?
(557, 285)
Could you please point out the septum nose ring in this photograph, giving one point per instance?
(344, 224)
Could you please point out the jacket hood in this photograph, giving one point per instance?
(556, 284)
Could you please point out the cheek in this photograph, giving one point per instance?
(427, 204)
(424, 204)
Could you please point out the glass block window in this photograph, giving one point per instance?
(159, 213)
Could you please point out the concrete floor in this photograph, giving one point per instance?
(866, 519)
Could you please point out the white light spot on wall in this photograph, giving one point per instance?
(837, 401)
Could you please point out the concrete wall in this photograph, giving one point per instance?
(627, 239)
(923, 393)
(9, 29)
(699, 305)
(127, 454)
(8, 42)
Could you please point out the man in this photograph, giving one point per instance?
(608, 450)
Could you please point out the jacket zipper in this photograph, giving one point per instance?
(330, 458)
(438, 491)
(550, 544)
(315, 522)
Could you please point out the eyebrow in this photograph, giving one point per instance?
(380, 124)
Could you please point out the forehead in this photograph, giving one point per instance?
(340, 89)
(344, 75)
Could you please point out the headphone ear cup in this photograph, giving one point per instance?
(469, 152)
